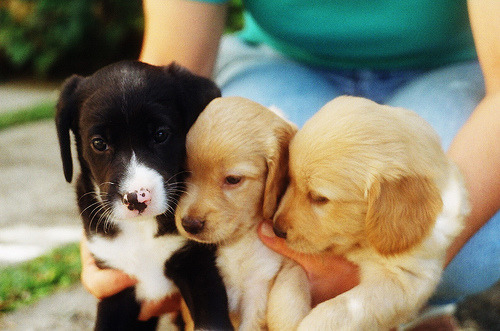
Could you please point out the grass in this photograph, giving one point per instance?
(41, 111)
(27, 282)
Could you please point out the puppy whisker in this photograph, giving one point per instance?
(179, 192)
(170, 209)
(110, 183)
(95, 194)
(93, 214)
(90, 206)
(108, 216)
(105, 211)
(98, 211)
(86, 194)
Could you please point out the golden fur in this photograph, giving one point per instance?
(234, 138)
(237, 157)
(372, 183)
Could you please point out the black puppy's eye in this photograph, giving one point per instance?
(160, 135)
(232, 180)
(99, 144)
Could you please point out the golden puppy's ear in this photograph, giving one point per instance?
(401, 213)
(277, 169)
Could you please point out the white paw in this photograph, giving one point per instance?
(338, 314)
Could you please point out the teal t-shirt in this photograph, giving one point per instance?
(377, 34)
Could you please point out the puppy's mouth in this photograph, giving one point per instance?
(301, 243)
(337, 245)
(200, 230)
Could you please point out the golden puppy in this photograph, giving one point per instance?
(237, 156)
(372, 183)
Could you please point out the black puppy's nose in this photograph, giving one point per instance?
(137, 200)
(279, 232)
(192, 225)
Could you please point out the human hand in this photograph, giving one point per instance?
(329, 275)
(103, 283)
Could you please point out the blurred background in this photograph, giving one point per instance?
(41, 43)
(54, 38)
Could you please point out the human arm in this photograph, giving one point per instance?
(187, 32)
(475, 147)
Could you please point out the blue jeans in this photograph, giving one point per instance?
(445, 97)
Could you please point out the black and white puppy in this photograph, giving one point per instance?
(130, 121)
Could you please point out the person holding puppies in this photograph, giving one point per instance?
(298, 55)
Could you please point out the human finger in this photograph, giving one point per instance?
(329, 274)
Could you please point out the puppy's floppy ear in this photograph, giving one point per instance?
(195, 93)
(277, 168)
(67, 111)
(401, 213)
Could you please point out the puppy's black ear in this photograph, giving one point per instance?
(67, 111)
(195, 93)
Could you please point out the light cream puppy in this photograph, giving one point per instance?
(372, 183)
(237, 157)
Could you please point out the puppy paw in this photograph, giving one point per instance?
(340, 315)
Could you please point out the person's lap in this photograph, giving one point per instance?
(444, 97)
(261, 75)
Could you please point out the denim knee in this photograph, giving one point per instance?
(444, 97)
(260, 74)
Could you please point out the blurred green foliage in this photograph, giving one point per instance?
(55, 37)
(235, 16)
(25, 283)
(45, 110)
(42, 36)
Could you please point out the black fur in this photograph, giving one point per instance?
(480, 311)
(147, 110)
(114, 313)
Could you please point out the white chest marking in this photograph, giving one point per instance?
(247, 266)
(137, 252)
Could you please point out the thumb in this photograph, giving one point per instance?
(329, 274)
(277, 244)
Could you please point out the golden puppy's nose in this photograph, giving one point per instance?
(280, 227)
(279, 232)
(192, 225)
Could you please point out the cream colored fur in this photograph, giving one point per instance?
(372, 183)
(237, 155)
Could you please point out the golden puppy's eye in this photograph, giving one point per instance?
(318, 199)
(232, 180)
